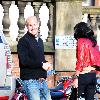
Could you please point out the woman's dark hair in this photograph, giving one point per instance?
(82, 30)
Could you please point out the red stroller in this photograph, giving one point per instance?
(19, 91)
(63, 89)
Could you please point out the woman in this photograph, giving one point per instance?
(88, 58)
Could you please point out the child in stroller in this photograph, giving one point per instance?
(63, 89)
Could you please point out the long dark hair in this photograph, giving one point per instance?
(82, 30)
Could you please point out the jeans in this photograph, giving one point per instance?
(36, 89)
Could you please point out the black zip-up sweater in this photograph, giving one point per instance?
(31, 56)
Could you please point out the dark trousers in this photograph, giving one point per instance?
(87, 85)
(73, 95)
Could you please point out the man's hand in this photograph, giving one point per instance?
(47, 66)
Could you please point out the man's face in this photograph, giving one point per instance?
(33, 25)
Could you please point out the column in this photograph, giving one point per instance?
(21, 19)
(50, 22)
(6, 20)
(93, 22)
(36, 6)
(67, 16)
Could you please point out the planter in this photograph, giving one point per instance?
(4, 97)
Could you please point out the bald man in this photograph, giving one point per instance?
(32, 63)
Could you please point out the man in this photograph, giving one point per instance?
(33, 66)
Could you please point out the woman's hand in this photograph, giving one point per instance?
(75, 83)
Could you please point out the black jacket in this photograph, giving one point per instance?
(31, 56)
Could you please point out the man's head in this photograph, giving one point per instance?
(32, 24)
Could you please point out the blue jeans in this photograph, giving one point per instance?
(36, 90)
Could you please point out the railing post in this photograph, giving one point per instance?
(6, 20)
(21, 19)
(36, 6)
(50, 21)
